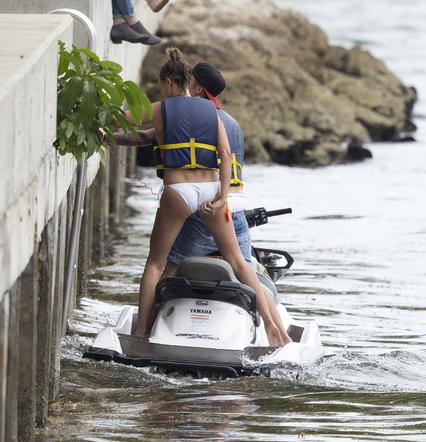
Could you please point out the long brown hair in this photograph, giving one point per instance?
(176, 68)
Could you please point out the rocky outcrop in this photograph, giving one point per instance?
(299, 100)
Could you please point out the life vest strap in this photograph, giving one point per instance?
(192, 145)
(235, 180)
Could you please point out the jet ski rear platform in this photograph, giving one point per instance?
(139, 352)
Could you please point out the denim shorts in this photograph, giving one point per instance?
(195, 238)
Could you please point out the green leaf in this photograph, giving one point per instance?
(122, 121)
(90, 54)
(63, 65)
(62, 142)
(115, 67)
(104, 116)
(116, 96)
(61, 45)
(102, 155)
(70, 129)
(92, 144)
(81, 136)
(71, 59)
(77, 152)
(134, 88)
(63, 125)
(70, 94)
(140, 96)
(69, 73)
(88, 103)
(146, 104)
(75, 52)
(135, 109)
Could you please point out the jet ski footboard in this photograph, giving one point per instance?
(141, 353)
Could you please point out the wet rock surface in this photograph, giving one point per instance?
(299, 100)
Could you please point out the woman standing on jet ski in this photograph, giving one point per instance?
(190, 136)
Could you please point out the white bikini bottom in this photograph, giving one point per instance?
(237, 201)
(196, 194)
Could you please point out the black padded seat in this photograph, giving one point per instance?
(209, 279)
(206, 269)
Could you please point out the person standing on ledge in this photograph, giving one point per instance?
(127, 27)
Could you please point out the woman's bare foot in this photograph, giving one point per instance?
(140, 331)
(274, 335)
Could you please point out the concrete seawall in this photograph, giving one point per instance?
(37, 188)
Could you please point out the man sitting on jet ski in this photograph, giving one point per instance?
(195, 239)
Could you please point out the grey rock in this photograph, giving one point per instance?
(299, 100)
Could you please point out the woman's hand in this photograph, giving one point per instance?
(213, 207)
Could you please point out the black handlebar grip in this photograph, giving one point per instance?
(259, 216)
(256, 217)
(279, 212)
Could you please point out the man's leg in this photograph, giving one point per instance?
(276, 316)
(244, 241)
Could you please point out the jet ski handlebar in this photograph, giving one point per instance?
(259, 216)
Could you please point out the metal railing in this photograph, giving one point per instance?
(80, 186)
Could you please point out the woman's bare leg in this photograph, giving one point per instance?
(169, 220)
(224, 234)
(169, 270)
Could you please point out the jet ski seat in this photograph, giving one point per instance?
(206, 269)
(209, 279)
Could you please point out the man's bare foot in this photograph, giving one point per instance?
(285, 337)
(274, 335)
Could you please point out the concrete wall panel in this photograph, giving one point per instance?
(29, 171)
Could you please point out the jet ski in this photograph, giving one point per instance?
(206, 321)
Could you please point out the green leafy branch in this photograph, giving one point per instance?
(91, 94)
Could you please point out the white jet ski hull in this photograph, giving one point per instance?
(206, 320)
(197, 348)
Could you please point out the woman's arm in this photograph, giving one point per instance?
(225, 161)
(224, 172)
(145, 137)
